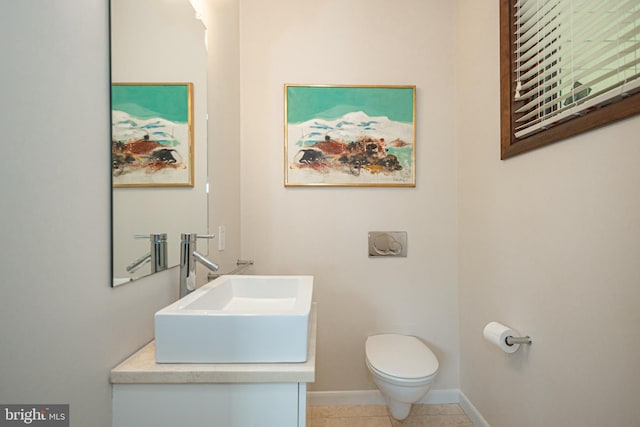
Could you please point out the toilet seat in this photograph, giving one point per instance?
(406, 382)
(400, 357)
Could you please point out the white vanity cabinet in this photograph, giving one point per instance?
(146, 393)
(209, 405)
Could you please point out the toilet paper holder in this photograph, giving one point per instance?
(504, 337)
(517, 340)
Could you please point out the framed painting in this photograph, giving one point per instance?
(339, 135)
(152, 134)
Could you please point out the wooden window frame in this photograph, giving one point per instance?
(510, 146)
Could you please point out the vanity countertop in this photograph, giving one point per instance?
(141, 368)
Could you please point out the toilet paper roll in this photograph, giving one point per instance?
(497, 333)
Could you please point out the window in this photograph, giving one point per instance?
(566, 67)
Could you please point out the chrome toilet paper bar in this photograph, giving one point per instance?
(518, 340)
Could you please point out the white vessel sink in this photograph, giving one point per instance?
(237, 319)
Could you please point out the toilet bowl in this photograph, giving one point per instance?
(403, 368)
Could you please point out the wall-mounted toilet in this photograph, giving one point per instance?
(403, 368)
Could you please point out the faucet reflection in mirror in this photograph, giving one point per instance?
(157, 254)
(188, 257)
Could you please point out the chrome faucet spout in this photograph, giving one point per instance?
(205, 261)
(188, 257)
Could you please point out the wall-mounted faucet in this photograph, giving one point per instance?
(188, 257)
(157, 254)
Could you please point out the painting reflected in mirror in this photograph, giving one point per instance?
(159, 133)
(152, 134)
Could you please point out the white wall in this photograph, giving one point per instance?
(221, 19)
(63, 326)
(323, 231)
(549, 244)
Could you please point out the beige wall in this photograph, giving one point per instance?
(63, 326)
(221, 19)
(323, 231)
(549, 245)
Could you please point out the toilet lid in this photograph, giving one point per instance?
(400, 356)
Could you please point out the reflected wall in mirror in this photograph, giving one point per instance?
(158, 41)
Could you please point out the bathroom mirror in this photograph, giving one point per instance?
(156, 43)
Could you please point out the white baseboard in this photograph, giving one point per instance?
(472, 412)
(374, 397)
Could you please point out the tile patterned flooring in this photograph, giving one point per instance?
(378, 416)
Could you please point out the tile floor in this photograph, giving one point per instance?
(378, 416)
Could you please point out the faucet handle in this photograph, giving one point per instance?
(188, 238)
(154, 237)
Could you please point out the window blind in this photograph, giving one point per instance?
(572, 56)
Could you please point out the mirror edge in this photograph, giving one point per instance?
(110, 157)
